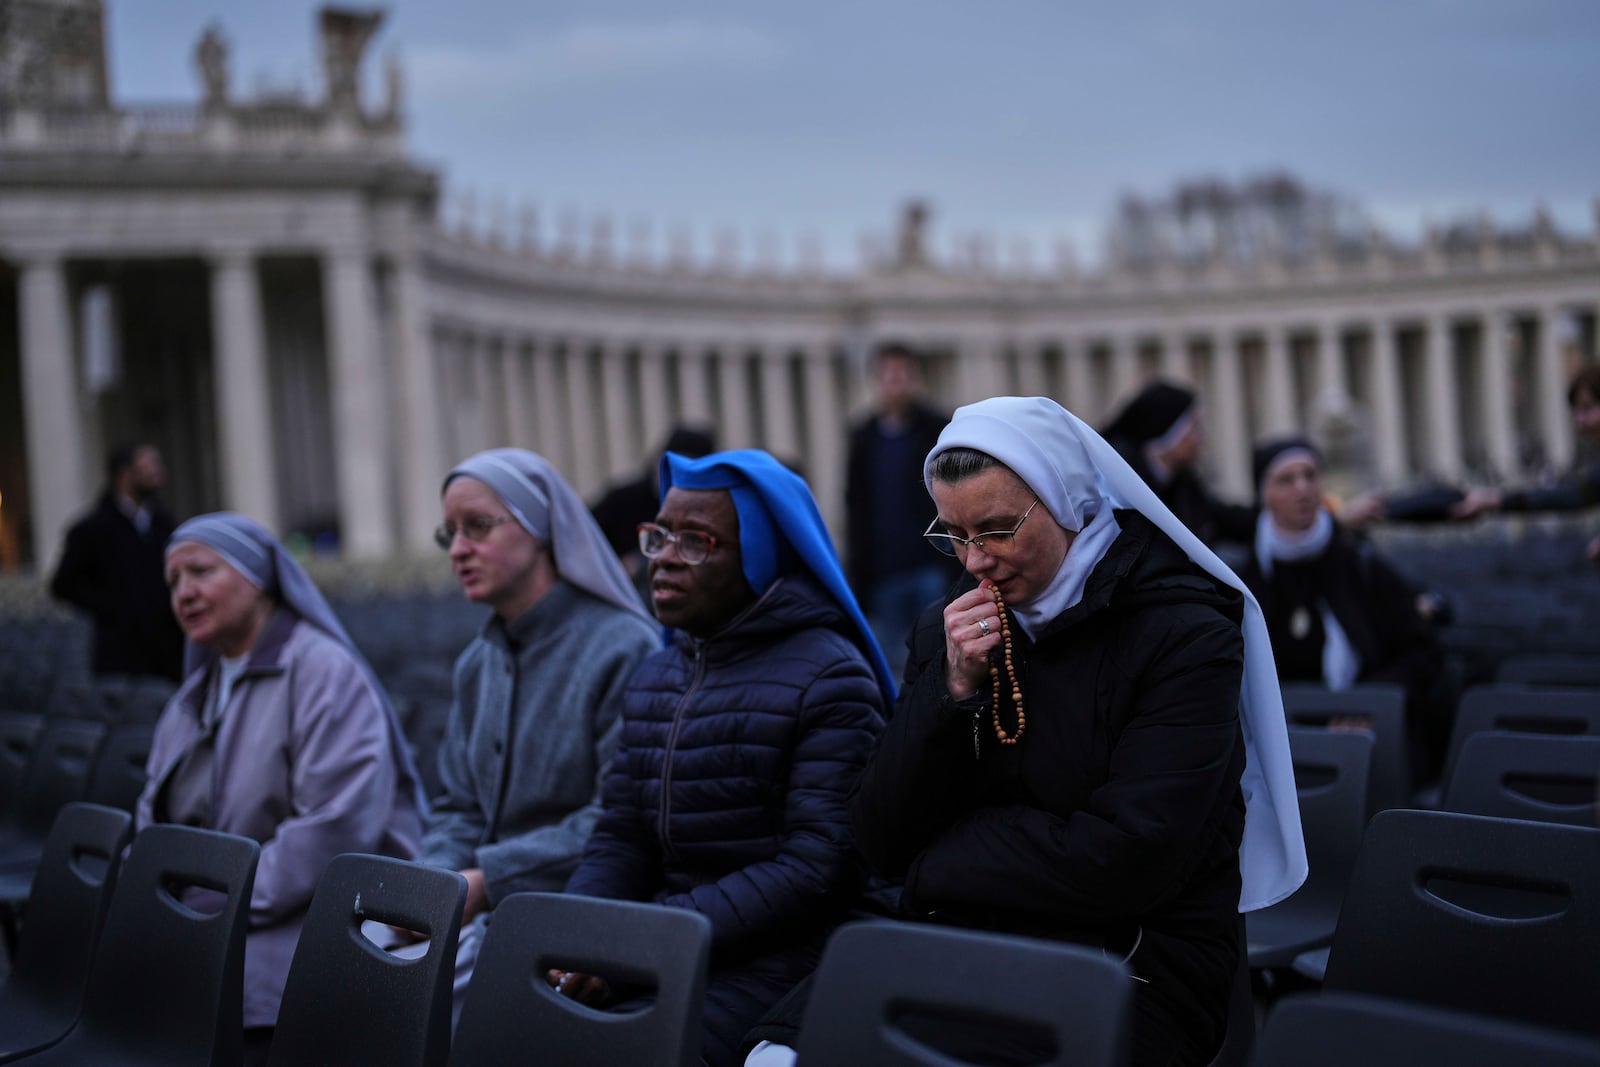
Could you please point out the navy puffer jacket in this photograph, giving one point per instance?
(728, 793)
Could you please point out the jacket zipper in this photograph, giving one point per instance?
(672, 742)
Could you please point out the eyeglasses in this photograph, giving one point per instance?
(693, 546)
(475, 529)
(994, 542)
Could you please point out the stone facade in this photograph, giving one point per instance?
(267, 289)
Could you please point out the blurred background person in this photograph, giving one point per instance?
(623, 507)
(111, 567)
(538, 693)
(885, 507)
(272, 673)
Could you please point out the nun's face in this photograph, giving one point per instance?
(494, 558)
(214, 604)
(1292, 494)
(1021, 566)
(699, 598)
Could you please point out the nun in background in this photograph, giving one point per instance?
(1089, 745)
(1337, 611)
(270, 670)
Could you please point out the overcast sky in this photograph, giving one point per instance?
(1018, 117)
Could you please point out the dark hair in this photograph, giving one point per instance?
(897, 350)
(1586, 380)
(958, 464)
(122, 457)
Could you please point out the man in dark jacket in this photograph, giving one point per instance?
(890, 569)
(111, 567)
(742, 738)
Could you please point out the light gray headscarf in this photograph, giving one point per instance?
(547, 507)
(1079, 478)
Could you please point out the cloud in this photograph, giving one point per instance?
(589, 55)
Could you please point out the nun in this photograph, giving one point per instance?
(1089, 745)
(270, 670)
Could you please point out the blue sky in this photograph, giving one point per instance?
(1015, 117)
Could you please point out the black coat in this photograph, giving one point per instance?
(1117, 820)
(1188, 497)
(116, 574)
(861, 486)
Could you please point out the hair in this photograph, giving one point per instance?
(958, 464)
(897, 350)
(1586, 380)
(121, 458)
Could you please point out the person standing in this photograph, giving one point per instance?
(112, 565)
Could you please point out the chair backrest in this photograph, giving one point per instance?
(63, 761)
(874, 976)
(1523, 710)
(167, 982)
(1331, 773)
(119, 767)
(1474, 913)
(349, 1001)
(19, 736)
(1338, 1029)
(512, 1015)
(1549, 669)
(1527, 776)
(66, 908)
(1389, 784)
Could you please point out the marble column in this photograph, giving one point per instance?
(1081, 399)
(1554, 419)
(360, 436)
(1125, 376)
(549, 406)
(587, 470)
(779, 425)
(694, 390)
(735, 425)
(825, 422)
(1033, 377)
(53, 419)
(1444, 426)
(244, 397)
(654, 394)
(420, 449)
(1276, 370)
(1175, 357)
(1388, 413)
(624, 453)
(1332, 396)
(1225, 419)
(517, 374)
(977, 369)
(1495, 394)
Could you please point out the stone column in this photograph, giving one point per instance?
(519, 393)
(1332, 396)
(244, 396)
(420, 449)
(826, 428)
(1444, 429)
(1033, 377)
(780, 425)
(53, 418)
(977, 369)
(694, 391)
(587, 470)
(360, 436)
(549, 406)
(1554, 418)
(624, 454)
(1080, 400)
(1124, 369)
(736, 428)
(1388, 413)
(1279, 385)
(1175, 357)
(1225, 419)
(653, 392)
(1495, 393)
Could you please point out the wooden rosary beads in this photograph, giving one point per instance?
(1011, 676)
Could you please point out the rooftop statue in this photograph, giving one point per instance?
(211, 60)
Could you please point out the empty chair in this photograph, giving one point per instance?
(166, 984)
(1330, 769)
(1522, 709)
(1551, 669)
(512, 1015)
(63, 759)
(878, 978)
(119, 769)
(1389, 784)
(1473, 913)
(1339, 1029)
(348, 1001)
(1527, 776)
(39, 1001)
(19, 735)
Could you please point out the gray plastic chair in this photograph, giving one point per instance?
(1523, 710)
(1552, 669)
(1527, 776)
(1340, 1029)
(58, 774)
(1472, 913)
(511, 1015)
(347, 1000)
(167, 983)
(66, 908)
(1389, 783)
(1076, 1001)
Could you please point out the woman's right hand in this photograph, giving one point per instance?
(966, 644)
